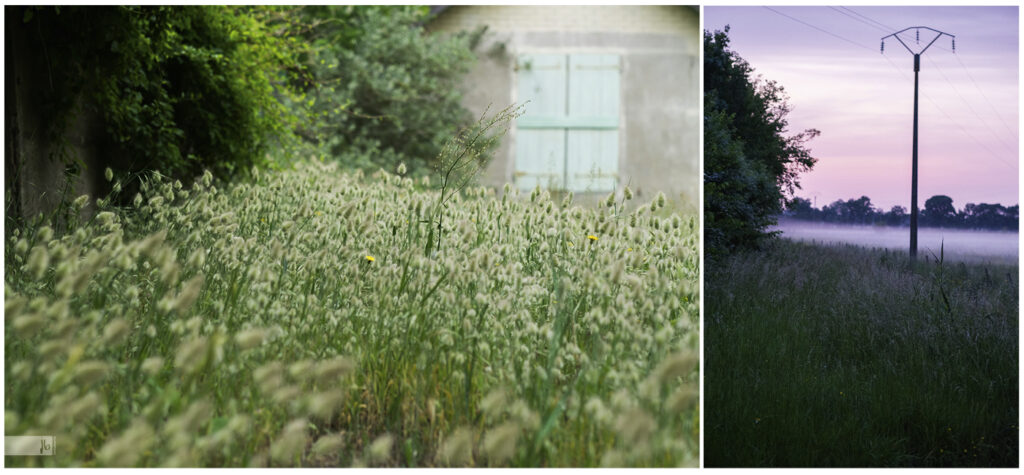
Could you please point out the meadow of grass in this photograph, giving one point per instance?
(847, 357)
(309, 318)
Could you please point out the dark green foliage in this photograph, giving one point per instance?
(939, 211)
(739, 195)
(179, 89)
(383, 91)
(754, 164)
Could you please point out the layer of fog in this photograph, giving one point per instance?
(958, 244)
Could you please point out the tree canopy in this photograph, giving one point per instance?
(178, 89)
(380, 89)
(751, 163)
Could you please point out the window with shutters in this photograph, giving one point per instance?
(569, 136)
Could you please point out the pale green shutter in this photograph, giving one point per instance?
(568, 138)
(593, 145)
(540, 152)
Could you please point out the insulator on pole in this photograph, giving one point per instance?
(917, 34)
(954, 45)
(883, 47)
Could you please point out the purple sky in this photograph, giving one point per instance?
(862, 101)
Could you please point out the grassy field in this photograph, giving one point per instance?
(309, 318)
(845, 357)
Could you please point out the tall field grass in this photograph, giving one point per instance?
(846, 357)
(316, 318)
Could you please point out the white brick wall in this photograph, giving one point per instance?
(658, 19)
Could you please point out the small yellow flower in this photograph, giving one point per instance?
(370, 258)
(317, 213)
(629, 250)
(570, 243)
(592, 237)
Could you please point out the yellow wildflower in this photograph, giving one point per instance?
(592, 237)
(370, 258)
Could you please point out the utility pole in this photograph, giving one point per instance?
(917, 67)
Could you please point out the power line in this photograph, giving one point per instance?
(880, 24)
(872, 25)
(994, 110)
(821, 30)
(934, 104)
(999, 116)
(968, 134)
(900, 71)
(969, 106)
(953, 121)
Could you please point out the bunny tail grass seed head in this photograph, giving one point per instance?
(379, 450)
(250, 338)
(330, 445)
(152, 365)
(127, 449)
(38, 262)
(500, 442)
(635, 426)
(457, 449)
(325, 404)
(115, 331)
(676, 366)
(90, 372)
(291, 442)
(329, 372)
(683, 398)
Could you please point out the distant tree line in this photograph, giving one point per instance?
(938, 211)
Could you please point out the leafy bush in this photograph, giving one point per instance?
(750, 176)
(383, 91)
(739, 194)
(179, 89)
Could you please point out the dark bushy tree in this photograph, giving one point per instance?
(801, 208)
(737, 190)
(897, 216)
(939, 211)
(754, 164)
(179, 89)
(383, 91)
